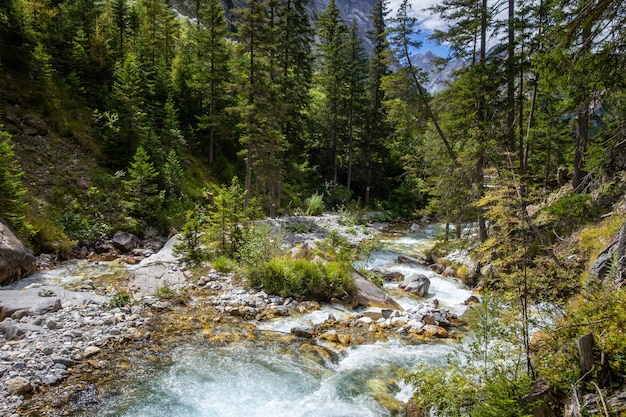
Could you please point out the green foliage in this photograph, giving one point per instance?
(481, 380)
(223, 264)
(602, 312)
(314, 205)
(142, 196)
(120, 299)
(571, 211)
(594, 238)
(302, 278)
(191, 232)
(259, 244)
(13, 208)
(229, 220)
(337, 248)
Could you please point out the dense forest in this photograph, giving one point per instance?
(119, 115)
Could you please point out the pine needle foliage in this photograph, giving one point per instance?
(13, 207)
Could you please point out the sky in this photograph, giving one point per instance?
(427, 22)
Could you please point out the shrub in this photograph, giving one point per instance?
(302, 278)
(120, 299)
(571, 211)
(223, 264)
(314, 205)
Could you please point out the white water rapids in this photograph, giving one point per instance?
(256, 380)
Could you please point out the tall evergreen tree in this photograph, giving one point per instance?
(333, 34)
(214, 70)
(260, 111)
(379, 129)
(356, 99)
(12, 205)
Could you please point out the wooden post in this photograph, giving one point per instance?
(585, 352)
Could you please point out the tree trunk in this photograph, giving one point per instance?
(582, 116)
(585, 352)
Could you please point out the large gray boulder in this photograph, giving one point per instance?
(43, 299)
(125, 241)
(158, 271)
(612, 260)
(16, 261)
(367, 294)
(416, 284)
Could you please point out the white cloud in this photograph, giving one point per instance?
(427, 20)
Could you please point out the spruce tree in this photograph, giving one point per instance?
(260, 110)
(378, 129)
(13, 208)
(333, 36)
(214, 72)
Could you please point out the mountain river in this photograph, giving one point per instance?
(269, 376)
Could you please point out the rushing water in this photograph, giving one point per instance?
(276, 379)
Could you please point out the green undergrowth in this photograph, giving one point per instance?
(303, 278)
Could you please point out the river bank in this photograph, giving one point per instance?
(53, 366)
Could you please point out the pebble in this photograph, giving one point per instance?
(38, 350)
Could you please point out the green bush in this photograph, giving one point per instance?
(571, 211)
(314, 205)
(302, 278)
(223, 264)
(120, 299)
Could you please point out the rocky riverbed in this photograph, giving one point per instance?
(53, 337)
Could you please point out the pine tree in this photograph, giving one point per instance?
(214, 73)
(13, 208)
(356, 99)
(260, 112)
(333, 35)
(379, 129)
(143, 198)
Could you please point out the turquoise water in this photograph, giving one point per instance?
(275, 379)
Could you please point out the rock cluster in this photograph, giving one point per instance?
(39, 346)
(235, 300)
(425, 320)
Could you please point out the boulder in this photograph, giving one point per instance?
(616, 249)
(416, 284)
(367, 294)
(305, 332)
(403, 259)
(389, 276)
(437, 331)
(125, 241)
(42, 299)
(19, 386)
(16, 261)
(157, 271)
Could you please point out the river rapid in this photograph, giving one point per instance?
(249, 368)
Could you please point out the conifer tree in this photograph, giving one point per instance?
(214, 70)
(260, 112)
(143, 198)
(12, 205)
(356, 98)
(379, 129)
(333, 35)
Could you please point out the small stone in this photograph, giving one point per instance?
(19, 386)
(49, 379)
(63, 360)
(14, 332)
(305, 332)
(51, 324)
(91, 351)
(19, 314)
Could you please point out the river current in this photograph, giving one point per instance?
(248, 378)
